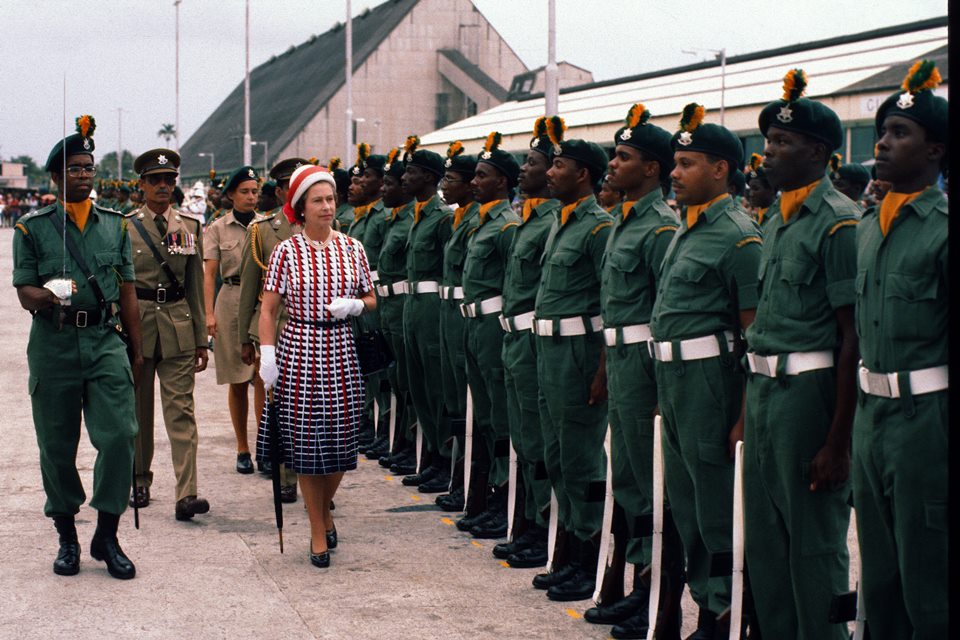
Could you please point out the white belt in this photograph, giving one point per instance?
(797, 363)
(481, 308)
(694, 349)
(576, 326)
(887, 385)
(375, 277)
(630, 335)
(397, 288)
(451, 293)
(517, 323)
(424, 286)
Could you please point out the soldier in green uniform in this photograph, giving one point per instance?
(760, 194)
(900, 433)
(123, 204)
(344, 214)
(520, 283)
(573, 395)
(608, 197)
(431, 228)
(706, 298)
(267, 200)
(459, 170)
(76, 358)
(849, 179)
(172, 322)
(263, 234)
(643, 229)
(108, 195)
(801, 389)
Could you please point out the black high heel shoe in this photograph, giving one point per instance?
(321, 560)
(332, 538)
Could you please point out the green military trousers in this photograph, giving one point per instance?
(491, 425)
(421, 331)
(632, 387)
(700, 401)
(573, 430)
(376, 384)
(523, 411)
(453, 358)
(900, 449)
(390, 310)
(795, 539)
(74, 371)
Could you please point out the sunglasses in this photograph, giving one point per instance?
(167, 178)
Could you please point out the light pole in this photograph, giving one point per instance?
(353, 132)
(377, 124)
(349, 66)
(721, 55)
(176, 57)
(119, 143)
(266, 146)
(204, 154)
(551, 92)
(246, 91)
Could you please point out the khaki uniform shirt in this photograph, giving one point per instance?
(263, 234)
(223, 240)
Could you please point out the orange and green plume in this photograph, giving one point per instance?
(363, 152)
(492, 142)
(86, 125)
(334, 163)
(393, 155)
(540, 127)
(637, 116)
(835, 162)
(922, 75)
(555, 128)
(213, 174)
(756, 162)
(691, 117)
(313, 160)
(455, 149)
(794, 84)
(411, 145)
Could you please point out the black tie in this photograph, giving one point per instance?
(161, 223)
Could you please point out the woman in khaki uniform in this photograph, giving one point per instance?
(223, 243)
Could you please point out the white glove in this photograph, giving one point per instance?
(340, 308)
(268, 366)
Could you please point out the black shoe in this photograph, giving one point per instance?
(68, 559)
(244, 463)
(419, 478)
(391, 459)
(191, 506)
(288, 493)
(378, 448)
(265, 467)
(437, 484)
(332, 538)
(404, 469)
(452, 501)
(551, 578)
(504, 550)
(491, 528)
(580, 586)
(108, 550)
(321, 560)
(467, 523)
(529, 558)
(706, 626)
(636, 626)
(620, 610)
(141, 497)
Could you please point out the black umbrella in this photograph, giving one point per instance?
(273, 429)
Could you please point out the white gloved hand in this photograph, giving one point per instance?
(340, 308)
(269, 372)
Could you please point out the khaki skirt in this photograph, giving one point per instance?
(226, 346)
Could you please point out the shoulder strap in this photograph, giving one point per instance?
(156, 253)
(78, 258)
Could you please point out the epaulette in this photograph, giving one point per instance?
(850, 222)
(103, 209)
(50, 208)
(265, 217)
(666, 227)
(22, 228)
(745, 224)
(842, 206)
(605, 223)
(512, 223)
(472, 231)
(748, 240)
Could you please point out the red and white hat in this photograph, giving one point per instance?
(302, 179)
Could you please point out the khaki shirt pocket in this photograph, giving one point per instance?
(230, 258)
(183, 325)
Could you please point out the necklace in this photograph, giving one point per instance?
(320, 244)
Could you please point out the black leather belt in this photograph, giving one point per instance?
(79, 318)
(326, 324)
(234, 280)
(160, 294)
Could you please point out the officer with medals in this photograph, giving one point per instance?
(167, 258)
(644, 226)
(431, 228)
(706, 297)
(262, 235)
(760, 194)
(77, 360)
(573, 395)
(801, 389)
(455, 184)
(520, 283)
(900, 433)
(344, 213)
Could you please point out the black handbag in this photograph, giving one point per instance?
(373, 351)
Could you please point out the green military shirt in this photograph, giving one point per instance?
(709, 274)
(373, 235)
(570, 283)
(39, 254)
(455, 251)
(392, 263)
(522, 277)
(427, 238)
(902, 290)
(488, 250)
(631, 262)
(344, 215)
(808, 267)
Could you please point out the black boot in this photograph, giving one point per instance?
(582, 584)
(440, 482)
(524, 541)
(672, 580)
(452, 501)
(706, 626)
(534, 555)
(636, 625)
(620, 610)
(105, 546)
(68, 558)
(563, 565)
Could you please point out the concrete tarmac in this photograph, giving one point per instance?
(401, 570)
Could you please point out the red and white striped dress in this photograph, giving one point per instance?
(320, 390)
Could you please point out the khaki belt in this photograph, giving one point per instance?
(630, 334)
(693, 349)
(575, 326)
(451, 293)
(424, 286)
(481, 307)
(887, 385)
(394, 289)
(517, 323)
(797, 363)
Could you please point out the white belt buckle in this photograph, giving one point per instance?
(881, 384)
(761, 365)
(610, 337)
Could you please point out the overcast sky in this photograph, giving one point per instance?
(120, 53)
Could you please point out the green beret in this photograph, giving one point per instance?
(856, 173)
(738, 181)
(802, 115)
(754, 170)
(638, 133)
(157, 161)
(413, 156)
(79, 142)
(394, 166)
(240, 175)
(542, 129)
(499, 159)
(459, 161)
(285, 168)
(124, 188)
(340, 175)
(918, 102)
(269, 186)
(588, 153)
(710, 138)
(374, 162)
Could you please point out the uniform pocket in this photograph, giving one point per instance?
(481, 263)
(686, 283)
(527, 259)
(621, 270)
(108, 273)
(564, 273)
(792, 294)
(230, 256)
(911, 300)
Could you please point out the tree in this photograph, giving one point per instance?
(36, 177)
(167, 132)
(107, 166)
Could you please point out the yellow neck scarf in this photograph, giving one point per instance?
(417, 208)
(891, 205)
(568, 210)
(694, 211)
(791, 201)
(627, 207)
(458, 215)
(485, 208)
(79, 212)
(760, 214)
(529, 205)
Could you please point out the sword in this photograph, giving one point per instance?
(454, 454)
(606, 530)
(467, 450)
(419, 447)
(552, 529)
(736, 590)
(511, 491)
(393, 421)
(656, 560)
